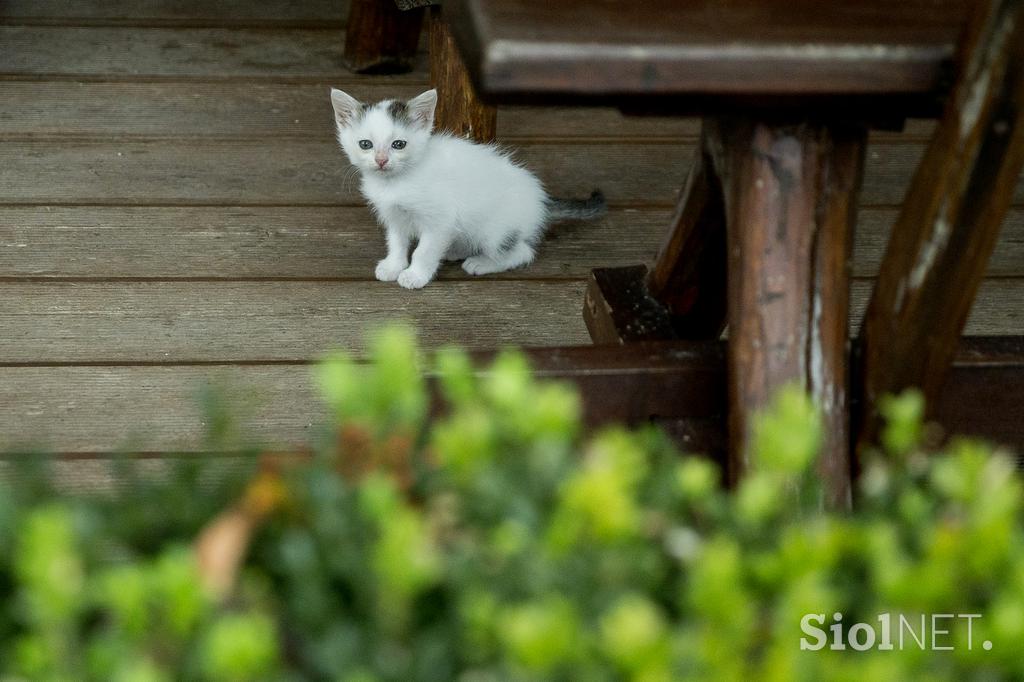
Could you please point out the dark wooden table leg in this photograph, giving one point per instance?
(950, 220)
(459, 110)
(790, 196)
(683, 294)
(380, 38)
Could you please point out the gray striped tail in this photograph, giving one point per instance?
(577, 209)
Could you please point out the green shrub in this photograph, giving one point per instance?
(500, 543)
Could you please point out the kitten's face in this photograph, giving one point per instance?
(386, 138)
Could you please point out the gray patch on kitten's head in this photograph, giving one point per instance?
(399, 111)
(419, 111)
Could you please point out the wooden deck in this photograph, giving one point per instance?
(174, 210)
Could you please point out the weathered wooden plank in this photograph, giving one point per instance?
(154, 409)
(291, 172)
(303, 242)
(198, 109)
(280, 13)
(183, 110)
(268, 110)
(289, 242)
(998, 309)
(131, 53)
(952, 217)
(158, 409)
(250, 321)
(874, 226)
(303, 172)
(73, 322)
(299, 172)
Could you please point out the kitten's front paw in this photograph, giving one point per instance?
(412, 279)
(388, 271)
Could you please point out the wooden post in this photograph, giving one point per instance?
(790, 196)
(380, 38)
(459, 110)
(950, 220)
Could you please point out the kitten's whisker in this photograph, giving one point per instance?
(350, 173)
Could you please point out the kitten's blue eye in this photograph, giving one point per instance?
(398, 144)
(365, 144)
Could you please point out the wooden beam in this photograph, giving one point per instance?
(639, 382)
(459, 110)
(950, 220)
(680, 386)
(790, 195)
(677, 386)
(380, 38)
(675, 51)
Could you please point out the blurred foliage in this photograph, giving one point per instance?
(500, 543)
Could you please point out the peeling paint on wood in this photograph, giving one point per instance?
(791, 194)
(930, 251)
(979, 83)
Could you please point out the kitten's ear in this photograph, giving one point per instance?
(421, 108)
(345, 107)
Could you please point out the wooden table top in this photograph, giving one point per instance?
(601, 48)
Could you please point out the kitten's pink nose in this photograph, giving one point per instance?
(382, 161)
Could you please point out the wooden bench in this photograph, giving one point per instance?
(761, 237)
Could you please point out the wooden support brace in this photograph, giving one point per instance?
(380, 38)
(950, 220)
(790, 197)
(683, 295)
(459, 110)
(689, 273)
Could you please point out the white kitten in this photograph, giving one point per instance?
(458, 199)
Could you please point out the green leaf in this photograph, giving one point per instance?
(904, 419)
